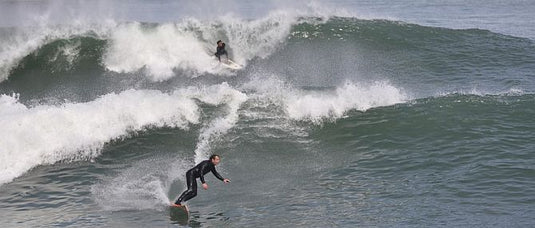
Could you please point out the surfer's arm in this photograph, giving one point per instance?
(217, 175)
(204, 167)
(204, 185)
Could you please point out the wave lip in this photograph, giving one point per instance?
(315, 106)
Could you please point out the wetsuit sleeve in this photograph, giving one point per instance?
(202, 168)
(216, 174)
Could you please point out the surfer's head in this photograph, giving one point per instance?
(219, 42)
(215, 159)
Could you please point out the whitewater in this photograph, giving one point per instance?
(345, 113)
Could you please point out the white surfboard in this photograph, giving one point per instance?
(230, 64)
(225, 62)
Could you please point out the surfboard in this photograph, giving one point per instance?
(230, 64)
(179, 214)
(225, 62)
(182, 208)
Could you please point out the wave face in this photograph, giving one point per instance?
(163, 51)
(383, 106)
(323, 67)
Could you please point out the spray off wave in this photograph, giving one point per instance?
(324, 104)
(139, 187)
(315, 106)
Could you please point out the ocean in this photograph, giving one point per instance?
(345, 113)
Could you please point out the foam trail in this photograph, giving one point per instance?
(45, 134)
(219, 125)
(143, 186)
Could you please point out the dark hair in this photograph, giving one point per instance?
(219, 41)
(213, 156)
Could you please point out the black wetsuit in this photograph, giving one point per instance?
(191, 178)
(221, 51)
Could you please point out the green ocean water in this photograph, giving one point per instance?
(334, 121)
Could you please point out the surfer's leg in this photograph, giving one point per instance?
(224, 52)
(192, 192)
(192, 186)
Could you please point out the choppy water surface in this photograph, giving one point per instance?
(344, 114)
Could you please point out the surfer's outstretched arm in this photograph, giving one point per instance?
(218, 176)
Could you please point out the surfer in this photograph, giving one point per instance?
(221, 50)
(198, 172)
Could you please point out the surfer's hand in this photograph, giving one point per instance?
(205, 186)
(226, 180)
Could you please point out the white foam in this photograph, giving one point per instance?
(159, 50)
(31, 136)
(257, 38)
(190, 44)
(315, 106)
(220, 125)
(515, 92)
(69, 52)
(483, 92)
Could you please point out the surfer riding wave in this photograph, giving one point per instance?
(198, 172)
(221, 50)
